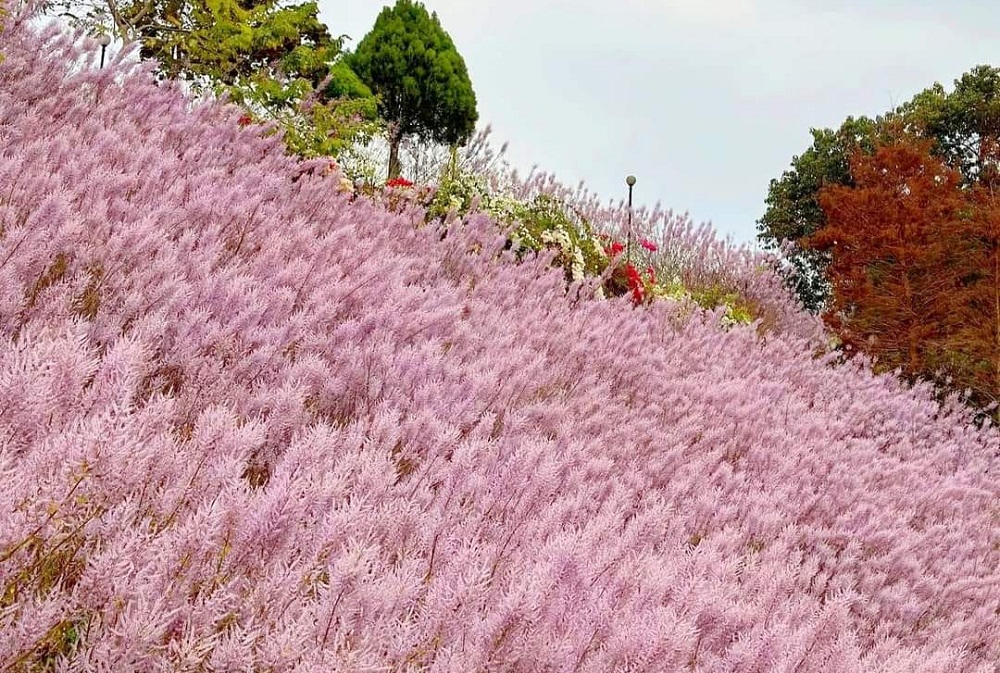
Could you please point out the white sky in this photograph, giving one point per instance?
(704, 102)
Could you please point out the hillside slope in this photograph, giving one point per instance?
(249, 424)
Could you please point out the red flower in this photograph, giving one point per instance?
(652, 275)
(399, 182)
(614, 249)
(649, 245)
(634, 283)
(633, 275)
(245, 120)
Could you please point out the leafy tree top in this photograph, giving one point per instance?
(964, 123)
(412, 65)
(277, 59)
(230, 40)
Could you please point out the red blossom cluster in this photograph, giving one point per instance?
(627, 278)
(398, 182)
(636, 283)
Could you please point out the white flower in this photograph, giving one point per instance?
(578, 264)
(560, 238)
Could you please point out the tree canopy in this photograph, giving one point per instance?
(420, 79)
(965, 123)
(915, 268)
(793, 209)
(276, 59)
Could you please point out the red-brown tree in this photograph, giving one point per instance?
(914, 269)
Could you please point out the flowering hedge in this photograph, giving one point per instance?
(551, 219)
(548, 223)
(248, 422)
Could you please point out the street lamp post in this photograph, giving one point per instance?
(630, 181)
(104, 40)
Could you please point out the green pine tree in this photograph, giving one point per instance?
(419, 78)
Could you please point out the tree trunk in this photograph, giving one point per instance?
(395, 168)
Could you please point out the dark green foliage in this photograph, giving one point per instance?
(965, 122)
(793, 211)
(412, 66)
(344, 83)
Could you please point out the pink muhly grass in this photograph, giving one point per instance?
(250, 424)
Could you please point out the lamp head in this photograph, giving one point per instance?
(104, 39)
(630, 180)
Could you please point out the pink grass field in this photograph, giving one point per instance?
(249, 424)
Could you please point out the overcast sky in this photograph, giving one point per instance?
(704, 102)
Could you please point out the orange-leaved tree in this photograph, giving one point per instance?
(914, 267)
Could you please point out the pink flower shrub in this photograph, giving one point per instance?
(249, 423)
